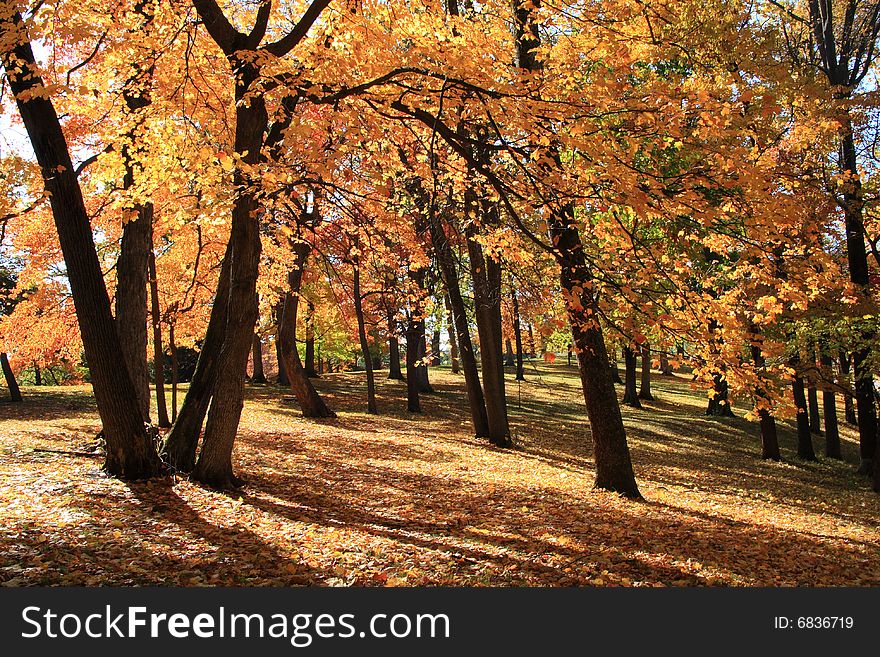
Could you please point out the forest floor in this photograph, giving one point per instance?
(399, 499)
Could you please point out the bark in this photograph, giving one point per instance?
(282, 379)
(365, 347)
(435, 346)
(449, 273)
(509, 358)
(310, 402)
(158, 351)
(532, 352)
(131, 298)
(182, 441)
(259, 375)
(804, 437)
(645, 389)
(131, 452)
(394, 372)
(38, 375)
(719, 403)
(517, 336)
(415, 332)
(665, 367)
(614, 469)
(829, 409)
(857, 258)
(11, 383)
(813, 407)
(630, 393)
(175, 372)
(416, 338)
(849, 408)
(769, 437)
(486, 275)
(311, 372)
(615, 372)
(450, 331)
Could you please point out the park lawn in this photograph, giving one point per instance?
(415, 500)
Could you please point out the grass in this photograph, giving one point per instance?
(401, 499)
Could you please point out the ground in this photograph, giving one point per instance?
(401, 499)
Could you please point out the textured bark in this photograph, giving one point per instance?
(131, 298)
(394, 371)
(450, 274)
(131, 452)
(630, 392)
(311, 371)
(486, 275)
(182, 441)
(158, 351)
(645, 388)
(769, 437)
(517, 336)
(805, 449)
(11, 383)
(849, 408)
(282, 379)
(365, 346)
(450, 331)
(614, 469)
(813, 407)
(310, 402)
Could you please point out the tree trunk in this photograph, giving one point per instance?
(365, 347)
(665, 367)
(804, 437)
(182, 442)
(532, 352)
(311, 372)
(38, 375)
(857, 258)
(158, 352)
(259, 376)
(486, 274)
(813, 406)
(829, 411)
(615, 372)
(614, 469)
(769, 437)
(415, 334)
(719, 403)
(450, 330)
(630, 393)
(394, 372)
(175, 372)
(509, 357)
(645, 390)
(131, 452)
(458, 314)
(11, 383)
(131, 297)
(849, 409)
(282, 379)
(418, 370)
(309, 400)
(517, 336)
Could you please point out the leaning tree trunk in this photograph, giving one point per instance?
(804, 437)
(9, 375)
(182, 441)
(131, 452)
(614, 469)
(310, 402)
(645, 389)
(458, 314)
(769, 436)
(365, 346)
(158, 351)
(630, 393)
(517, 336)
